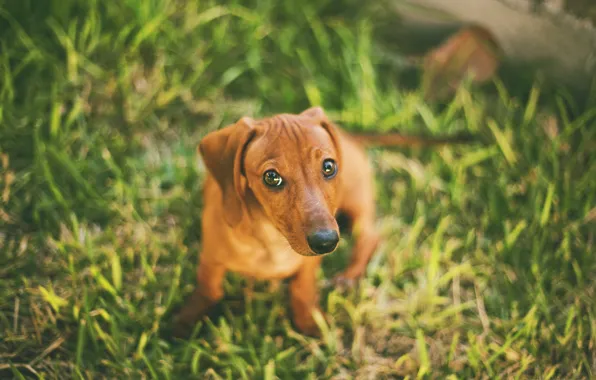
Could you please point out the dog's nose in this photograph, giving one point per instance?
(323, 241)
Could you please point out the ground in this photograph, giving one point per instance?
(486, 266)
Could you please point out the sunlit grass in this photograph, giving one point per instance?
(487, 260)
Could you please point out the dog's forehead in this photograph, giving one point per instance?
(319, 134)
(284, 135)
(284, 142)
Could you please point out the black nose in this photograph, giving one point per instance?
(323, 241)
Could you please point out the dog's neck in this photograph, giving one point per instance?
(254, 218)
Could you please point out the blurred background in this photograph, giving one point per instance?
(485, 269)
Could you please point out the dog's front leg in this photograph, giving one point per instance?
(304, 295)
(364, 247)
(208, 292)
(366, 240)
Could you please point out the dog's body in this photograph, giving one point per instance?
(271, 196)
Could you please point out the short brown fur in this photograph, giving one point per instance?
(261, 232)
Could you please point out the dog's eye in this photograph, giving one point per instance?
(272, 178)
(329, 168)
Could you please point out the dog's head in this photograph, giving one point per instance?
(287, 165)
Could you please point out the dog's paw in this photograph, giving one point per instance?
(180, 325)
(344, 282)
(308, 327)
(174, 326)
(181, 329)
(306, 323)
(311, 331)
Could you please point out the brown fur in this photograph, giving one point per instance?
(261, 232)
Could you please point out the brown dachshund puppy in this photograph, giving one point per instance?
(273, 190)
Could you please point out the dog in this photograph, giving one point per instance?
(272, 193)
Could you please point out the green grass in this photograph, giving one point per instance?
(487, 263)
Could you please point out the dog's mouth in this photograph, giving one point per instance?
(310, 253)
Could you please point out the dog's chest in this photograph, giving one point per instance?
(268, 255)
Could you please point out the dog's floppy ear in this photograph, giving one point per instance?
(222, 152)
(319, 115)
